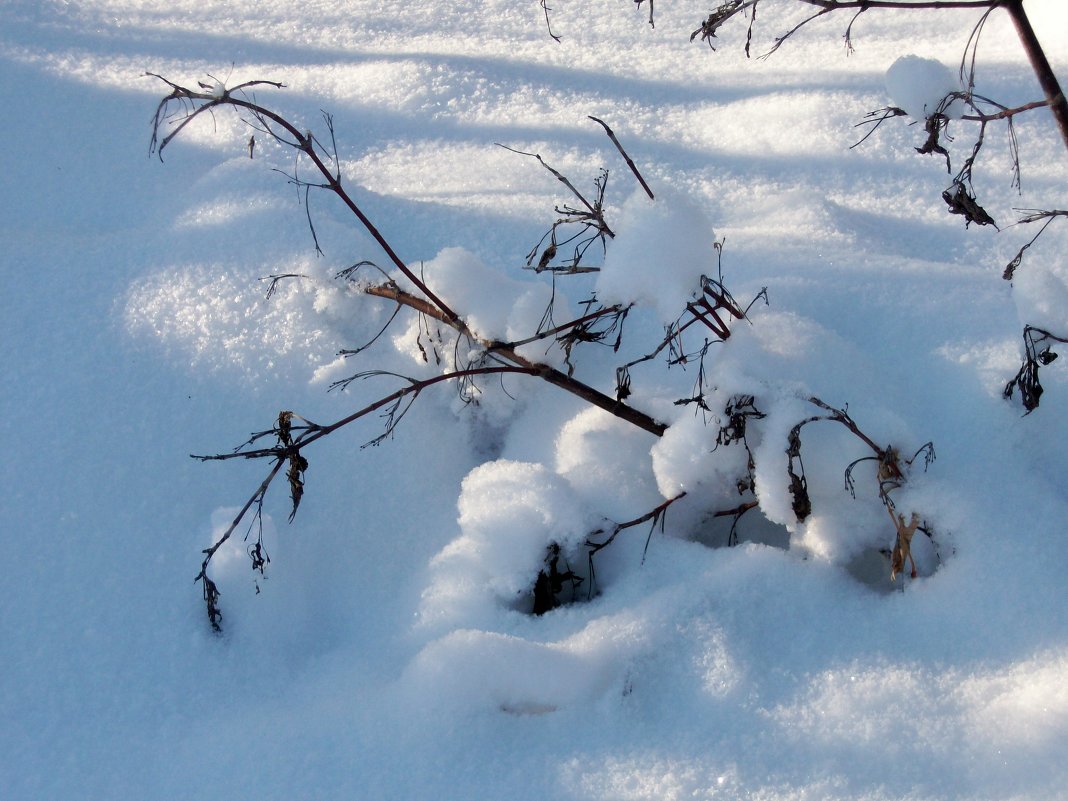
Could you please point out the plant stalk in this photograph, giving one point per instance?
(1043, 71)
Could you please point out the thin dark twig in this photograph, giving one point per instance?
(967, 63)
(276, 280)
(548, 25)
(623, 153)
(604, 311)
(354, 351)
(874, 121)
(653, 514)
(304, 143)
(211, 591)
(779, 40)
(556, 173)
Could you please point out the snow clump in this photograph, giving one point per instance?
(660, 252)
(607, 464)
(493, 305)
(920, 86)
(510, 513)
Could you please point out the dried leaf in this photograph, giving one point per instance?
(622, 384)
(211, 598)
(1030, 387)
(903, 547)
(960, 201)
(297, 465)
(933, 126)
(546, 257)
(801, 503)
(284, 429)
(708, 28)
(259, 556)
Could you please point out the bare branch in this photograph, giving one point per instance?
(211, 591)
(802, 505)
(557, 174)
(303, 142)
(276, 280)
(875, 119)
(779, 40)
(654, 515)
(1005, 113)
(623, 153)
(548, 25)
(717, 18)
(592, 227)
(971, 52)
(730, 8)
(1034, 216)
(1040, 64)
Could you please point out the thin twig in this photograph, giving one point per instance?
(305, 143)
(623, 153)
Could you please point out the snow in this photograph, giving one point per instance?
(389, 650)
(662, 250)
(608, 464)
(922, 87)
(509, 515)
(494, 306)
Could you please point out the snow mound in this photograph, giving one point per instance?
(494, 306)
(688, 459)
(607, 463)
(482, 669)
(921, 86)
(510, 513)
(661, 250)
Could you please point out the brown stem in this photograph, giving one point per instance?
(834, 5)
(432, 306)
(602, 401)
(627, 158)
(847, 421)
(653, 514)
(1043, 71)
(738, 510)
(303, 142)
(507, 352)
(1005, 113)
(333, 183)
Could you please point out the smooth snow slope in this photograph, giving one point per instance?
(382, 657)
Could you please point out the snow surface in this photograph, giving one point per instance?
(388, 652)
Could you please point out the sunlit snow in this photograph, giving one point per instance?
(388, 650)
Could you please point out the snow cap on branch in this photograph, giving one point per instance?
(920, 86)
(510, 512)
(661, 250)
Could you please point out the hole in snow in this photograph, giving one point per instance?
(871, 566)
(721, 532)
